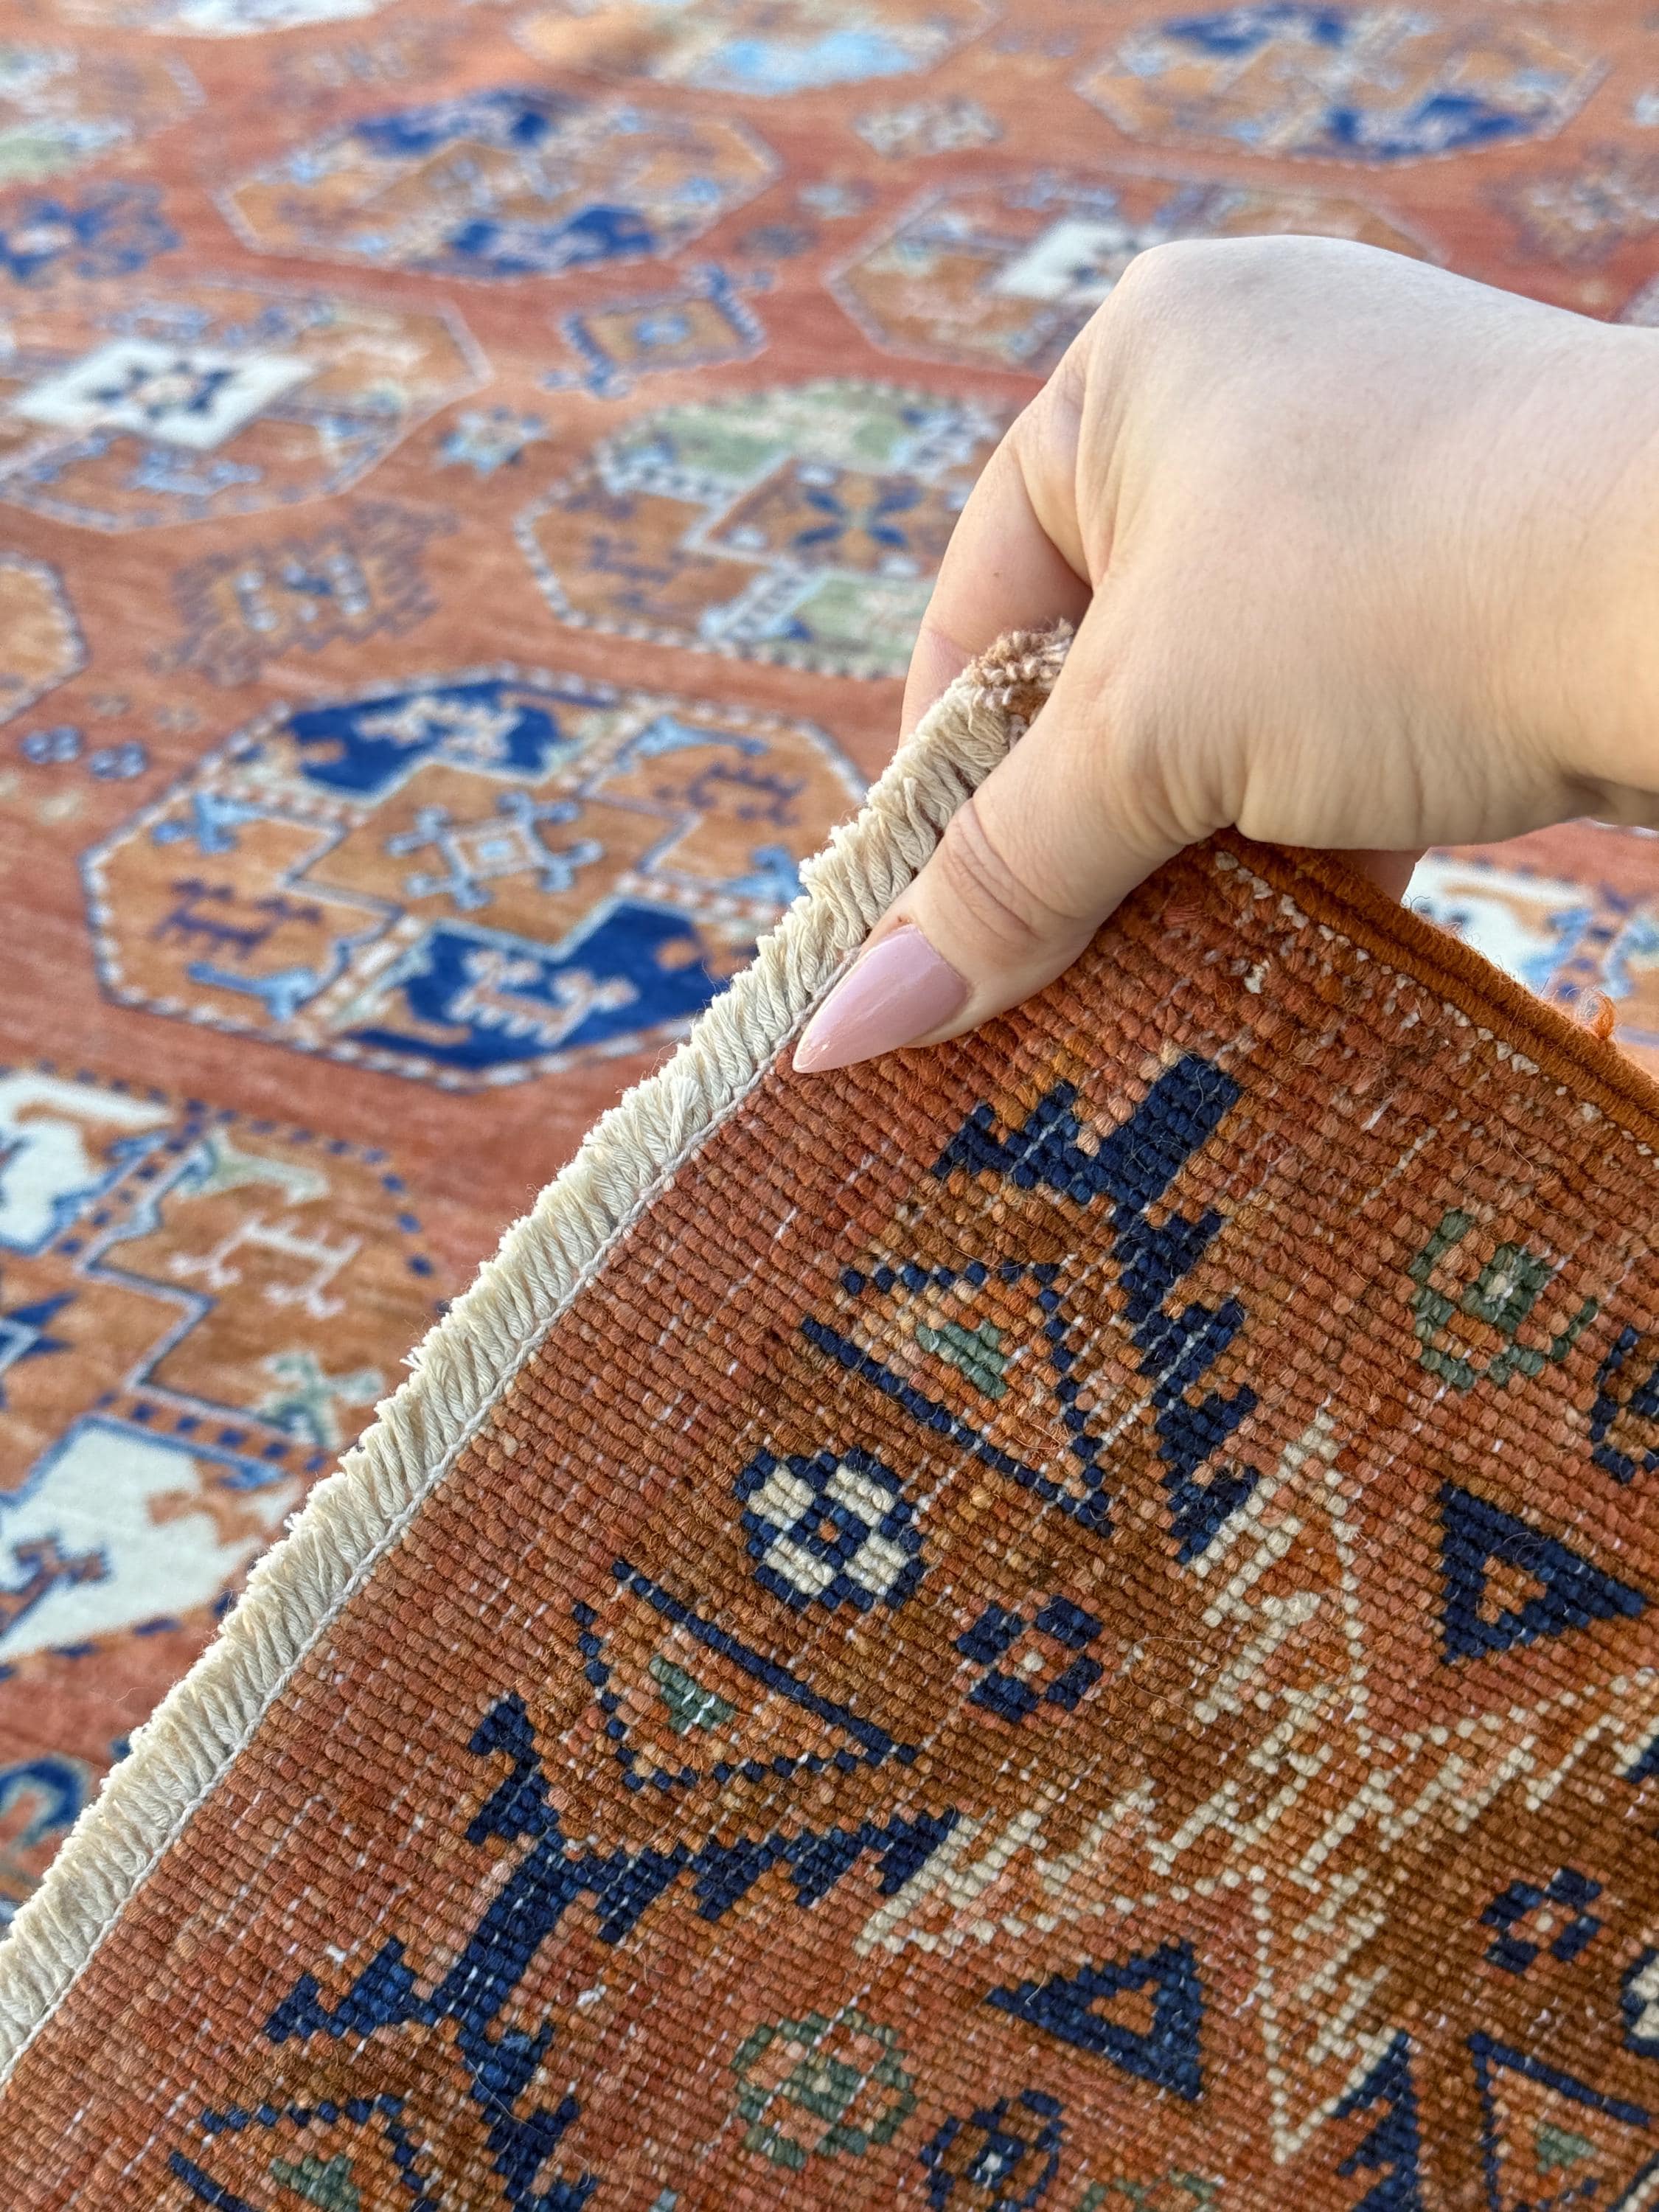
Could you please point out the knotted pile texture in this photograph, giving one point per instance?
(1067, 1620)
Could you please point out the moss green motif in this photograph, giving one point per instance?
(325, 2183)
(1503, 1295)
(828, 2081)
(1556, 2147)
(689, 1705)
(977, 1352)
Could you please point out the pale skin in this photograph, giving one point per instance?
(1362, 557)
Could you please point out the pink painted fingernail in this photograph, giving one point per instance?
(898, 990)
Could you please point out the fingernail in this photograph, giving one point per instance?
(898, 990)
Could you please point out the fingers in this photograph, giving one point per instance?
(1015, 561)
(1028, 870)
(1390, 871)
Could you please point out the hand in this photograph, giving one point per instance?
(1362, 556)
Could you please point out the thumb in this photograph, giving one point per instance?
(1029, 866)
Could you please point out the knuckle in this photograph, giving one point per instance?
(1163, 276)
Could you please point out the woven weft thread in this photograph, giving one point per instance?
(1067, 1620)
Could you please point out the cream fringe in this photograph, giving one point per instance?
(467, 1361)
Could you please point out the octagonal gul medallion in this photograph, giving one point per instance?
(803, 524)
(60, 110)
(763, 48)
(40, 642)
(468, 879)
(514, 181)
(119, 411)
(1357, 84)
(1004, 275)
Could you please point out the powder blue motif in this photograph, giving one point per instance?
(658, 332)
(109, 231)
(486, 439)
(1132, 1168)
(778, 66)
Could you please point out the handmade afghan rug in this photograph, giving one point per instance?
(1069, 1620)
(469, 471)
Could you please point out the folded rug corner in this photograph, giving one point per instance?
(1068, 1619)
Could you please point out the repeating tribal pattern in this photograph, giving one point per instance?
(1099, 1651)
(469, 479)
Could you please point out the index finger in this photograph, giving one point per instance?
(1003, 568)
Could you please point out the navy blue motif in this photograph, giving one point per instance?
(1133, 1167)
(1492, 2058)
(863, 1743)
(834, 1529)
(1167, 2053)
(649, 961)
(524, 120)
(358, 2111)
(1643, 1401)
(1445, 116)
(1572, 1591)
(1517, 1904)
(26, 1331)
(502, 115)
(1013, 1696)
(527, 1909)
(367, 747)
(109, 231)
(1638, 1998)
(1393, 2148)
(1018, 2147)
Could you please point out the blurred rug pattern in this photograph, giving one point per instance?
(1069, 1621)
(469, 474)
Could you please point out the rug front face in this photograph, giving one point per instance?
(469, 479)
(1068, 1621)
